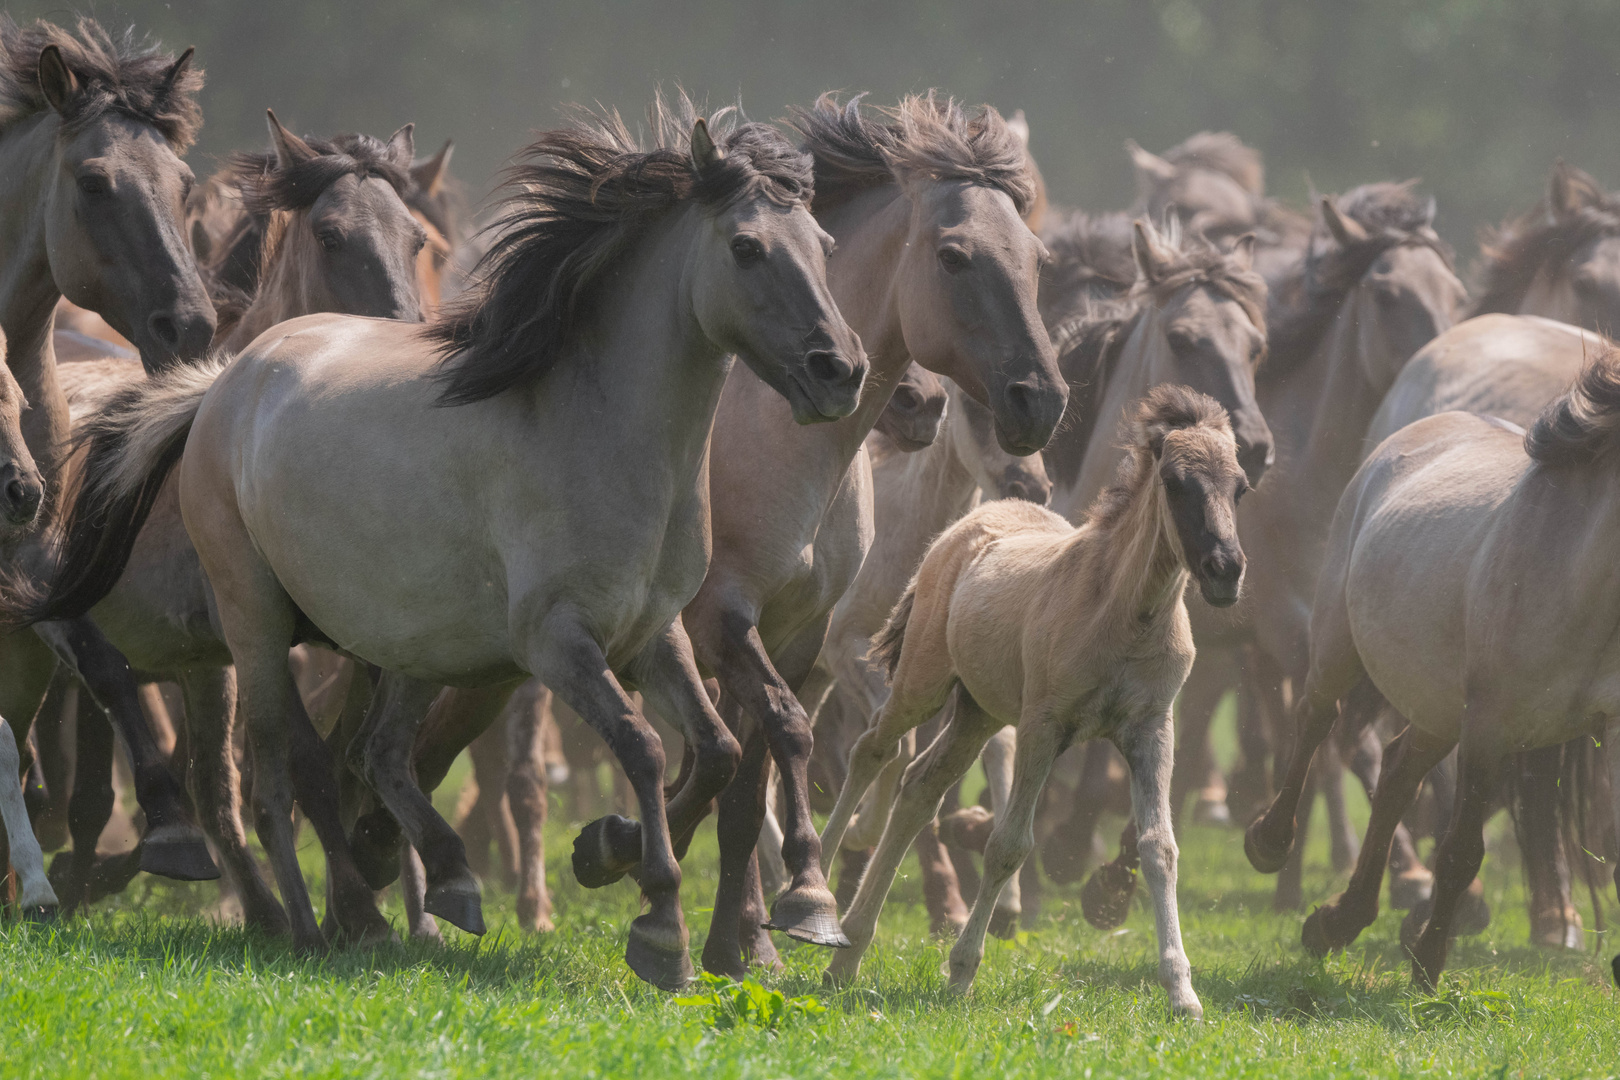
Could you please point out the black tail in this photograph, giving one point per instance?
(887, 643)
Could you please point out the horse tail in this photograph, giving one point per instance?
(129, 445)
(888, 641)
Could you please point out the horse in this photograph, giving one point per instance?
(1469, 575)
(652, 266)
(158, 613)
(1067, 632)
(915, 498)
(91, 129)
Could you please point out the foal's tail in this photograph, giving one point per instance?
(129, 445)
(887, 642)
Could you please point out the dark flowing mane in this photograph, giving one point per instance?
(576, 201)
(1584, 424)
(123, 75)
(1307, 299)
(267, 185)
(924, 135)
(1163, 409)
(1577, 211)
(1090, 260)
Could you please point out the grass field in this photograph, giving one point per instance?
(148, 988)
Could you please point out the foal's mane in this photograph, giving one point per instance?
(115, 75)
(1307, 299)
(1545, 237)
(925, 135)
(1164, 409)
(1584, 424)
(577, 198)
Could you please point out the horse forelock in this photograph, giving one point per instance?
(576, 199)
(925, 135)
(1583, 425)
(267, 185)
(124, 75)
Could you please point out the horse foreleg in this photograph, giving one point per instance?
(413, 888)
(998, 757)
(526, 798)
(773, 871)
(34, 894)
(737, 934)
(173, 845)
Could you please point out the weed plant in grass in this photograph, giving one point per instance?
(148, 987)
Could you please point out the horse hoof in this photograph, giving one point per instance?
(1003, 924)
(1265, 857)
(808, 914)
(667, 966)
(369, 930)
(606, 850)
(1105, 899)
(178, 852)
(1412, 887)
(456, 902)
(1314, 935)
(967, 828)
(39, 913)
(375, 846)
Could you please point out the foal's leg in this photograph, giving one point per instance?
(526, 795)
(1407, 758)
(173, 845)
(1040, 741)
(998, 757)
(921, 789)
(34, 895)
(1479, 775)
(570, 661)
(1148, 745)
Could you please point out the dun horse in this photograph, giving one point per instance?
(1067, 633)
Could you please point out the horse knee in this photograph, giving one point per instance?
(1158, 852)
(717, 762)
(1006, 852)
(641, 755)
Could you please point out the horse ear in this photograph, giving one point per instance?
(202, 245)
(1243, 251)
(56, 82)
(290, 149)
(401, 148)
(1150, 260)
(1347, 231)
(430, 174)
(1569, 190)
(705, 155)
(1018, 124)
(178, 68)
(1149, 166)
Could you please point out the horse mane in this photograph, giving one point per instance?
(1165, 408)
(925, 135)
(577, 198)
(1222, 152)
(124, 75)
(1584, 424)
(267, 185)
(1546, 236)
(1090, 260)
(1307, 298)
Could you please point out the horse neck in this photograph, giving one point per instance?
(286, 286)
(28, 292)
(1131, 567)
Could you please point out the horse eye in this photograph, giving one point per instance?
(93, 185)
(952, 259)
(745, 249)
(330, 241)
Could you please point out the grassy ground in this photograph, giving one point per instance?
(148, 987)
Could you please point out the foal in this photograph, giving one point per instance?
(1068, 633)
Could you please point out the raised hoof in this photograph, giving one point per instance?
(669, 969)
(1263, 856)
(809, 915)
(457, 903)
(1412, 887)
(602, 851)
(1003, 924)
(1105, 899)
(375, 845)
(967, 828)
(177, 852)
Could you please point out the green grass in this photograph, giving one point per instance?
(148, 988)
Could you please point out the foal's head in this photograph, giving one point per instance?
(21, 489)
(1194, 457)
(339, 236)
(912, 417)
(121, 113)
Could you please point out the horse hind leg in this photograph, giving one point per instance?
(526, 796)
(998, 755)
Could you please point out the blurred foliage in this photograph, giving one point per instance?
(1475, 96)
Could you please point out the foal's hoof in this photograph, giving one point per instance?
(456, 902)
(1003, 924)
(375, 846)
(1105, 899)
(178, 852)
(967, 828)
(606, 850)
(658, 957)
(1265, 855)
(808, 914)
(1410, 887)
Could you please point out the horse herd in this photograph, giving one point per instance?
(299, 442)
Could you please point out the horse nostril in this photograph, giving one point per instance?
(829, 367)
(22, 499)
(164, 329)
(906, 399)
